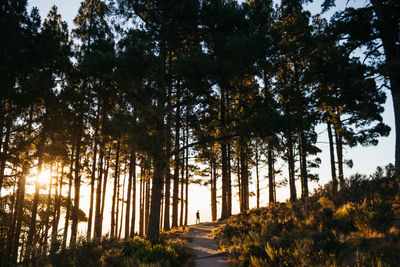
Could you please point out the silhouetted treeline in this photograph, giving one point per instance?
(124, 101)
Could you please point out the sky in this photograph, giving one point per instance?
(365, 159)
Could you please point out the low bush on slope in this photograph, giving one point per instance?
(357, 226)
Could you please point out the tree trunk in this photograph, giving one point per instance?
(117, 201)
(32, 225)
(159, 165)
(213, 174)
(271, 182)
(339, 152)
(141, 199)
(147, 207)
(19, 212)
(257, 176)
(4, 152)
(332, 157)
(224, 159)
(167, 188)
(162, 209)
(396, 108)
(229, 182)
(224, 169)
(2, 122)
(113, 230)
(303, 165)
(57, 211)
(182, 182)
(128, 196)
(19, 205)
(175, 195)
(239, 181)
(245, 177)
(187, 176)
(74, 226)
(97, 224)
(133, 170)
(68, 206)
(292, 182)
(47, 214)
(11, 228)
(92, 181)
(103, 197)
(122, 205)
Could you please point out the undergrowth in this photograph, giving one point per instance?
(111, 252)
(357, 226)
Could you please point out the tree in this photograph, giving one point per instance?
(376, 26)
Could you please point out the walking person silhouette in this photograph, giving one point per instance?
(197, 217)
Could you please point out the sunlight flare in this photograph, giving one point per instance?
(44, 177)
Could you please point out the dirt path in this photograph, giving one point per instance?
(205, 247)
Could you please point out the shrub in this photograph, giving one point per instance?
(353, 227)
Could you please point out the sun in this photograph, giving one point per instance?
(44, 177)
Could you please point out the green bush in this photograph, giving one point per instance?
(169, 254)
(112, 252)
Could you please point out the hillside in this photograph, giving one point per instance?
(357, 226)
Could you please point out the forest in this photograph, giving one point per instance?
(143, 98)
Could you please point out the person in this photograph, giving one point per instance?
(197, 217)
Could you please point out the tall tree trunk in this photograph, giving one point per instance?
(175, 196)
(103, 197)
(19, 212)
(4, 152)
(182, 182)
(224, 158)
(245, 176)
(257, 176)
(271, 180)
(74, 225)
(11, 226)
(141, 199)
(162, 210)
(292, 182)
(159, 166)
(339, 153)
(32, 225)
(122, 205)
(57, 210)
(332, 157)
(19, 205)
(68, 205)
(239, 180)
(213, 174)
(97, 217)
(2, 122)
(187, 176)
(396, 108)
(117, 206)
(147, 207)
(167, 188)
(133, 171)
(47, 213)
(229, 182)
(303, 165)
(113, 230)
(224, 169)
(128, 195)
(92, 182)
(167, 193)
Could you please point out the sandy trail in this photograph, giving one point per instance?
(205, 247)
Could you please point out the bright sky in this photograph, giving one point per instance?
(365, 159)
